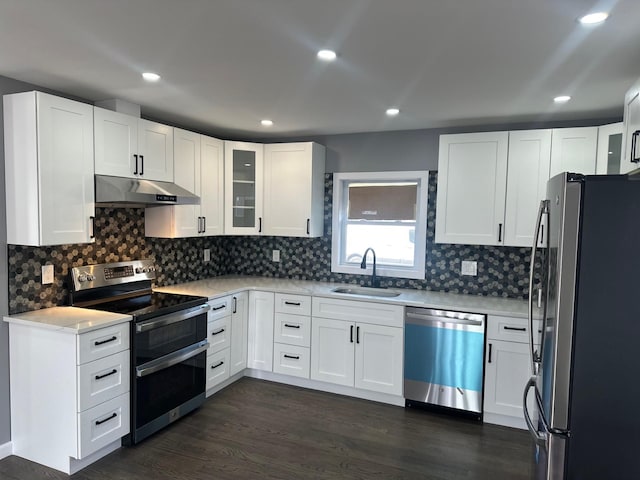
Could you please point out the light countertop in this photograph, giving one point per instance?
(226, 285)
(72, 320)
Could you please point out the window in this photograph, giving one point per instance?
(386, 211)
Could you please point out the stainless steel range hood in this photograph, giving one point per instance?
(128, 192)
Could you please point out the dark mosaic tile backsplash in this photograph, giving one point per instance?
(502, 271)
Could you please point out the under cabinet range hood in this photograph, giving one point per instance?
(126, 192)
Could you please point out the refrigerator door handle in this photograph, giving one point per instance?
(538, 438)
(542, 210)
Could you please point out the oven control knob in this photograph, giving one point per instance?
(152, 269)
(82, 278)
(139, 269)
(90, 278)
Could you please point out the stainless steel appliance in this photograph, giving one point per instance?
(585, 381)
(168, 340)
(444, 358)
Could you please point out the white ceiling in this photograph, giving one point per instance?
(227, 64)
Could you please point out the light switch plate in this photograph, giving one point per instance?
(276, 255)
(207, 255)
(47, 274)
(469, 268)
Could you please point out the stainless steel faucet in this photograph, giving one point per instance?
(375, 282)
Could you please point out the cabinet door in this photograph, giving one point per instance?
(212, 185)
(378, 359)
(574, 150)
(155, 147)
(293, 186)
(260, 344)
(217, 368)
(631, 152)
(243, 188)
(186, 152)
(332, 351)
(528, 172)
(472, 179)
(116, 137)
(65, 148)
(239, 318)
(610, 146)
(507, 369)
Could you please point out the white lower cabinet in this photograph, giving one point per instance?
(219, 336)
(260, 335)
(332, 351)
(217, 368)
(291, 360)
(239, 320)
(379, 355)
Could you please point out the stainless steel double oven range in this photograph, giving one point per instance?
(168, 340)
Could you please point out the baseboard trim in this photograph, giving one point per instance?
(504, 420)
(6, 449)
(77, 465)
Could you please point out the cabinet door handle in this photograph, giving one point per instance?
(295, 304)
(204, 224)
(102, 342)
(218, 332)
(217, 365)
(288, 325)
(259, 224)
(634, 140)
(308, 225)
(235, 304)
(517, 329)
(112, 372)
(293, 357)
(199, 224)
(135, 158)
(499, 232)
(141, 165)
(358, 335)
(113, 415)
(93, 227)
(490, 348)
(351, 336)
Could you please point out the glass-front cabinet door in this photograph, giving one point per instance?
(609, 149)
(243, 188)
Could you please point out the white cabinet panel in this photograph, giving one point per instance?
(103, 424)
(219, 334)
(103, 379)
(610, 149)
(295, 304)
(217, 368)
(574, 150)
(292, 329)
(291, 360)
(260, 337)
(212, 185)
(220, 307)
(379, 358)
(243, 186)
(631, 151)
(472, 170)
(239, 319)
(366, 312)
(102, 342)
(332, 351)
(116, 143)
(155, 146)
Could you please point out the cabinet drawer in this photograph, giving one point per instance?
(296, 304)
(219, 334)
(102, 343)
(355, 311)
(291, 360)
(103, 379)
(292, 329)
(103, 424)
(217, 368)
(512, 329)
(220, 307)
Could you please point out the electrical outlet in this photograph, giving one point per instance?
(207, 255)
(276, 255)
(469, 268)
(47, 274)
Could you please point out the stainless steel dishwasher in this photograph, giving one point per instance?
(444, 358)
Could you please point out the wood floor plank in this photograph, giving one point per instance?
(255, 429)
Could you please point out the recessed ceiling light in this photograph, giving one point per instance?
(327, 55)
(392, 112)
(593, 18)
(266, 123)
(562, 99)
(150, 76)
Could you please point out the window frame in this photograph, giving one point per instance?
(341, 182)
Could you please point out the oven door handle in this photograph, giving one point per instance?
(171, 318)
(171, 359)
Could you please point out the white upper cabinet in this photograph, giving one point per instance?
(294, 189)
(574, 150)
(472, 170)
(132, 147)
(528, 172)
(631, 150)
(199, 165)
(48, 169)
(610, 147)
(244, 174)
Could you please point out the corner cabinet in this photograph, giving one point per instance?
(239, 327)
(243, 165)
(199, 167)
(132, 147)
(48, 170)
(294, 189)
(574, 150)
(260, 331)
(472, 171)
(631, 150)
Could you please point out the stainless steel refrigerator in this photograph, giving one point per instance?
(586, 371)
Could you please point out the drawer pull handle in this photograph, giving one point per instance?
(112, 372)
(288, 325)
(293, 357)
(113, 415)
(295, 304)
(102, 342)
(217, 365)
(357, 334)
(218, 332)
(220, 307)
(517, 329)
(490, 348)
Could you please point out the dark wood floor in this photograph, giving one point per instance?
(261, 430)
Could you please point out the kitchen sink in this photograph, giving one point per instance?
(368, 291)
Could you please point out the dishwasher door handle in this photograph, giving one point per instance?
(423, 319)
